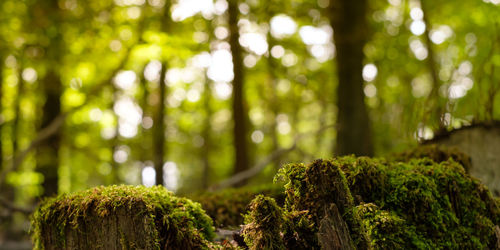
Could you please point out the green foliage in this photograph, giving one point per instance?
(263, 224)
(227, 207)
(185, 222)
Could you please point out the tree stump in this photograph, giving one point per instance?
(333, 231)
(482, 143)
(121, 217)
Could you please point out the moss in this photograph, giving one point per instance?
(313, 187)
(417, 204)
(387, 230)
(447, 207)
(263, 224)
(437, 153)
(174, 221)
(227, 207)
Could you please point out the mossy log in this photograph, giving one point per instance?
(121, 217)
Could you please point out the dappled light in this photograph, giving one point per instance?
(201, 95)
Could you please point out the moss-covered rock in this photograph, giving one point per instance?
(121, 217)
(418, 204)
(227, 207)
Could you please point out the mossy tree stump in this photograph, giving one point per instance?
(482, 143)
(121, 217)
(368, 203)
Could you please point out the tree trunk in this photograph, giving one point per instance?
(207, 139)
(159, 127)
(48, 152)
(1, 108)
(272, 65)
(348, 19)
(17, 107)
(115, 179)
(240, 115)
(159, 120)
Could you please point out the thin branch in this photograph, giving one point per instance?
(13, 208)
(58, 122)
(256, 169)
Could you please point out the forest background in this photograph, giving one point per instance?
(192, 93)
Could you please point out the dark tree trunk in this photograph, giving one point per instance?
(348, 19)
(207, 139)
(17, 107)
(159, 117)
(2, 58)
(240, 115)
(272, 65)
(115, 179)
(48, 153)
(159, 127)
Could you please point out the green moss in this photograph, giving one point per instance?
(437, 153)
(314, 187)
(263, 224)
(227, 207)
(417, 204)
(447, 208)
(175, 221)
(387, 230)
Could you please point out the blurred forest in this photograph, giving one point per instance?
(206, 94)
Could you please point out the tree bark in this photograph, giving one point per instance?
(333, 231)
(240, 115)
(123, 229)
(348, 20)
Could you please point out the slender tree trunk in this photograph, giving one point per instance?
(145, 147)
(115, 179)
(207, 139)
(159, 127)
(348, 19)
(2, 58)
(272, 65)
(17, 107)
(159, 120)
(48, 153)
(240, 115)
(433, 100)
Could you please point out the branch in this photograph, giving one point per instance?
(256, 169)
(56, 124)
(13, 208)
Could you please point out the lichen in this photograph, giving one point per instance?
(174, 221)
